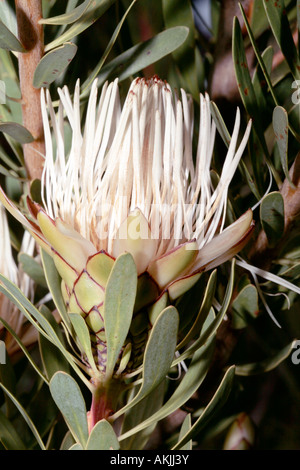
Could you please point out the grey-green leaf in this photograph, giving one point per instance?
(52, 358)
(280, 26)
(68, 17)
(267, 364)
(185, 428)
(68, 398)
(159, 354)
(9, 436)
(272, 216)
(8, 40)
(143, 54)
(145, 409)
(280, 126)
(17, 132)
(211, 410)
(96, 9)
(83, 335)
(54, 285)
(192, 380)
(25, 416)
(53, 64)
(119, 302)
(245, 83)
(31, 267)
(103, 437)
(244, 306)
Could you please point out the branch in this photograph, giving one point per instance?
(31, 35)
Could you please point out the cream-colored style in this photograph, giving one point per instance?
(127, 180)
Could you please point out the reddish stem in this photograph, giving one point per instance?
(31, 36)
(100, 409)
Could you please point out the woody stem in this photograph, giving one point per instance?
(31, 35)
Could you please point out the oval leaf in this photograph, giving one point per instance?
(103, 437)
(272, 216)
(119, 303)
(68, 398)
(159, 354)
(17, 132)
(8, 40)
(53, 64)
(191, 381)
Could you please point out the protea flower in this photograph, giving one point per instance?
(129, 183)
(8, 311)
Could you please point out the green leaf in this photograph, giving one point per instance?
(159, 353)
(268, 80)
(38, 320)
(245, 305)
(191, 381)
(280, 26)
(272, 216)
(9, 436)
(244, 81)
(83, 335)
(23, 348)
(210, 327)
(181, 14)
(267, 364)
(53, 64)
(140, 413)
(67, 442)
(143, 54)
(8, 40)
(108, 49)
(207, 301)
(76, 447)
(31, 267)
(52, 358)
(259, 82)
(68, 17)
(17, 132)
(94, 11)
(259, 21)
(220, 124)
(280, 126)
(68, 398)
(103, 437)
(211, 410)
(119, 302)
(185, 428)
(54, 284)
(8, 15)
(25, 416)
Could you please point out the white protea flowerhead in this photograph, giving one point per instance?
(8, 268)
(127, 181)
